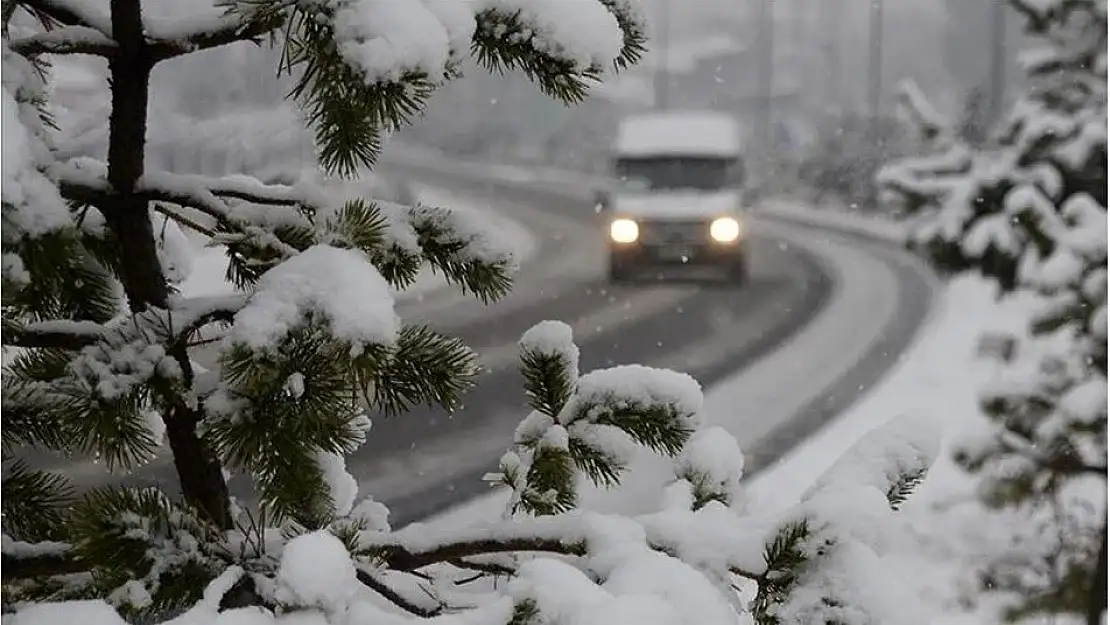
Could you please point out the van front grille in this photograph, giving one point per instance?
(662, 232)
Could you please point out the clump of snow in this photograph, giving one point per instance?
(583, 32)
(457, 19)
(317, 571)
(634, 385)
(373, 513)
(14, 271)
(567, 595)
(556, 437)
(342, 486)
(94, 612)
(128, 358)
(552, 338)
(712, 459)
(482, 239)
(294, 385)
(532, 427)
(851, 585)
(386, 39)
(32, 203)
(640, 585)
(339, 285)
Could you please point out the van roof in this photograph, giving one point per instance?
(689, 133)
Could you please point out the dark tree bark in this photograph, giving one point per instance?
(1096, 599)
(127, 215)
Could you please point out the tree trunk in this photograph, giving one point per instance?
(1096, 599)
(128, 217)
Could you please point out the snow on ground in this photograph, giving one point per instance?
(938, 381)
(209, 264)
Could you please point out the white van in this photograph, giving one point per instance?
(679, 193)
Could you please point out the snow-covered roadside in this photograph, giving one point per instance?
(938, 380)
(209, 264)
(935, 378)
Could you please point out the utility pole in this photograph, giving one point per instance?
(765, 96)
(662, 71)
(998, 60)
(875, 61)
(831, 18)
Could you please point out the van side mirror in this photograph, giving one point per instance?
(601, 200)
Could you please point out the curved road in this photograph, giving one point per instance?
(425, 461)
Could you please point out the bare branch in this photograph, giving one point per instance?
(256, 192)
(395, 597)
(399, 557)
(492, 568)
(165, 209)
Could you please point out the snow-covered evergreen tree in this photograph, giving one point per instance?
(103, 345)
(1029, 210)
(848, 150)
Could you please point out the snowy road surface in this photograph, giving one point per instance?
(864, 302)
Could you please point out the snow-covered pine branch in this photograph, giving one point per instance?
(925, 119)
(1028, 209)
(588, 563)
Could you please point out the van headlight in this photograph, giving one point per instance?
(624, 231)
(725, 229)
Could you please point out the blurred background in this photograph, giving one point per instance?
(813, 81)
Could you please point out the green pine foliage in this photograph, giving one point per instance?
(1027, 208)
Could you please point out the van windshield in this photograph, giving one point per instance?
(670, 173)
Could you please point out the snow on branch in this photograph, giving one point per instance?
(85, 180)
(54, 334)
(67, 40)
(589, 425)
(185, 317)
(925, 119)
(886, 459)
(320, 281)
(86, 31)
(70, 13)
(191, 36)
